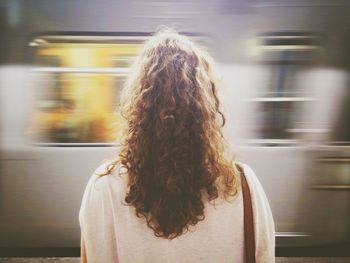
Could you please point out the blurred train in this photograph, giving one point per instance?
(287, 117)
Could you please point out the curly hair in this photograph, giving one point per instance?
(173, 149)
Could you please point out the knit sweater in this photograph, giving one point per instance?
(113, 233)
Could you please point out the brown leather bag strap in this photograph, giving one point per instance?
(249, 238)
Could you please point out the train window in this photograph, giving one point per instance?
(286, 55)
(79, 85)
(279, 102)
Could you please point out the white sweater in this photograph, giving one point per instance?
(113, 233)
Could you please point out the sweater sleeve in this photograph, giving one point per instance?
(263, 220)
(96, 220)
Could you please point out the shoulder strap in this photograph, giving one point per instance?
(249, 238)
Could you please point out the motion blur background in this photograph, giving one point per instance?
(285, 91)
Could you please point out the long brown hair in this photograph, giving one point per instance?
(173, 149)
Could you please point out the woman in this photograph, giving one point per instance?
(174, 193)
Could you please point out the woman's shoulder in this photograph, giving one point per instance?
(249, 173)
(263, 219)
(102, 187)
(256, 188)
(259, 196)
(105, 175)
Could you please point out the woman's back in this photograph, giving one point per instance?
(113, 233)
(174, 164)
